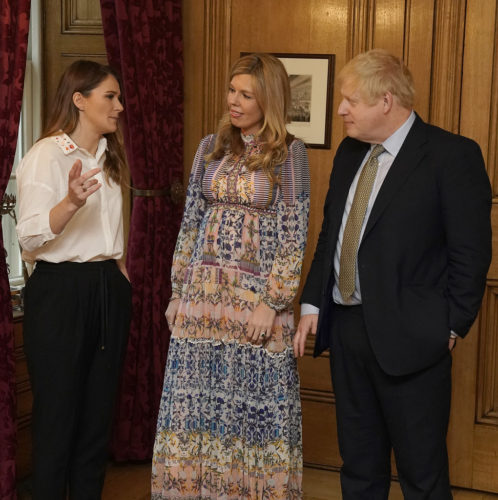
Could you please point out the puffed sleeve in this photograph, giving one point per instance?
(195, 207)
(38, 191)
(292, 229)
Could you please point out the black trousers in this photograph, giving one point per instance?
(377, 412)
(76, 325)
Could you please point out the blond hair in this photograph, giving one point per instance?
(377, 71)
(272, 93)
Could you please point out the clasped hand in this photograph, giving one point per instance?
(258, 327)
(260, 323)
(171, 312)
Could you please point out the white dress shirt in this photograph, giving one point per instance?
(392, 145)
(94, 233)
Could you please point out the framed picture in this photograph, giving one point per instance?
(312, 86)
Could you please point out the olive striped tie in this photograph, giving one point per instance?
(351, 236)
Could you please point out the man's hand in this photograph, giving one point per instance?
(452, 343)
(307, 324)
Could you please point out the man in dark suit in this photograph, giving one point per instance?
(398, 275)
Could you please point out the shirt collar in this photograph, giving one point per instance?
(393, 143)
(101, 148)
(68, 146)
(65, 143)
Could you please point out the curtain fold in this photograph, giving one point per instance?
(144, 43)
(14, 29)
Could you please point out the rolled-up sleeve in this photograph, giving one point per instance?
(37, 194)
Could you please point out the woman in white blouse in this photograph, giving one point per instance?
(78, 299)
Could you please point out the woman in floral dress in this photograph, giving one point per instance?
(229, 424)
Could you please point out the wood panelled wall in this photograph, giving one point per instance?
(451, 49)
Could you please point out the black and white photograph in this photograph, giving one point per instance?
(300, 98)
(311, 79)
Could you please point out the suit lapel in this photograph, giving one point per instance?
(347, 168)
(407, 160)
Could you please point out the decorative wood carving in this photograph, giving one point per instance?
(361, 26)
(71, 57)
(82, 17)
(318, 396)
(487, 393)
(407, 39)
(65, 60)
(418, 49)
(217, 43)
(449, 29)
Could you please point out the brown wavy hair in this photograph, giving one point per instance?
(83, 76)
(272, 92)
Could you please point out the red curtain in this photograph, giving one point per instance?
(144, 43)
(14, 28)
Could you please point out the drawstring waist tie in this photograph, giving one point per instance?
(103, 267)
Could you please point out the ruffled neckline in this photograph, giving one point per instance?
(251, 143)
(248, 138)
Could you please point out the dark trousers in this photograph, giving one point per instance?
(76, 325)
(377, 412)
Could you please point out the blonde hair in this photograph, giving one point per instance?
(84, 76)
(377, 71)
(272, 93)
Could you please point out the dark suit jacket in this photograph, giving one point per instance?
(425, 252)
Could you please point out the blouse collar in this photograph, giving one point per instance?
(67, 145)
(248, 138)
(252, 143)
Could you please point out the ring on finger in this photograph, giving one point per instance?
(262, 334)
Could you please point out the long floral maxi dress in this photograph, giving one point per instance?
(229, 424)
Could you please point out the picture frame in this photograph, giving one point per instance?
(312, 86)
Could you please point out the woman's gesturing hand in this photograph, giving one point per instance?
(260, 323)
(80, 187)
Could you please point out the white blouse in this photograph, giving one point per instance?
(94, 233)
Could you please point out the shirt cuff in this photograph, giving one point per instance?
(45, 228)
(454, 335)
(39, 230)
(309, 309)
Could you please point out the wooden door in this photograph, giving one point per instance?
(451, 48)
(72, 30)
(473, 437)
